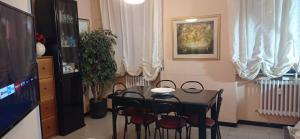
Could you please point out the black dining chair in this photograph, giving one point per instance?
(139, 116)
(193, 119)
(192, 87)
(166, 84)
(118, 88)
(168, 109)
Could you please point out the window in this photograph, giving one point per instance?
(297, 25)
(266, 37)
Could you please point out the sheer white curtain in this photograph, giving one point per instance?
(266, 37)
(139, 30)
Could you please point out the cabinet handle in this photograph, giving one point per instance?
(45, 88)
(48, 127)
(43, 68)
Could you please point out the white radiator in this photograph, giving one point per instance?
(280, 97)
(136, 81)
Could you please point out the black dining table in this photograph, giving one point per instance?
(196, 101)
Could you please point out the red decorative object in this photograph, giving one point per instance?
(40, 38)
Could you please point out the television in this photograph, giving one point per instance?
(19, 93)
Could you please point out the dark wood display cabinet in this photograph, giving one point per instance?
(57, 20)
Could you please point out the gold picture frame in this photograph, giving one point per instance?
(84, 25)
(196, 38)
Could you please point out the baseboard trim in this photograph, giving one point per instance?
(255, 123)
(228, 124)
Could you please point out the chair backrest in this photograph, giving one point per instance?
(219, 102)
(166, 104)
(192, 87)
(166, 83)
(118, 88)
(138, 103)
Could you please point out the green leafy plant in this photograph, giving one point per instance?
(97, 60)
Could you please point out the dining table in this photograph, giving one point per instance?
(200, 101)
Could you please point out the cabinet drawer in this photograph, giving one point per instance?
(45, 67)
(48, 108)
(49, 127)
(47, 89)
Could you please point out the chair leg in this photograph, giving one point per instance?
(149, 133)
(155, 133)
(146, 127)
(167, 133)
(219, 132)
(125, 127)
(187, 132)
(180, 131)
(159, 133)
(163, 133)
(190, 131)
(176, 134)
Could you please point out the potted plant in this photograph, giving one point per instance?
(98, 67)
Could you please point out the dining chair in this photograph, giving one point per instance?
(118, 87)
(192, 87)
(193, 120)
(166, 83)
(168, 109)
(139, 116)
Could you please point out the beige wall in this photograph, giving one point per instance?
(241, 98)
(84, 10)
(90, 9)
(29, 127)
(213, 74)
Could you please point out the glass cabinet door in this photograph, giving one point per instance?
(68, 34)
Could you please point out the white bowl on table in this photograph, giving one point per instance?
(162, 90)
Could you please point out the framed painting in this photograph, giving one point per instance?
(196, 38)
(84, 25)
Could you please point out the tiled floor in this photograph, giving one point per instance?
(102, 129)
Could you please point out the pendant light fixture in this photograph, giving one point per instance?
(134, 1)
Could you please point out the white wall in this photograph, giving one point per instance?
(29, 127)
(21, 4)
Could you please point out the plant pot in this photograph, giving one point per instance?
(98, 109)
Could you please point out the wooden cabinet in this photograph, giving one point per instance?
(47, 96)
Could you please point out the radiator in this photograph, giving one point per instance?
(136, 81)
(280, 97)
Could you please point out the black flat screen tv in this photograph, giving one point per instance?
(18, 68)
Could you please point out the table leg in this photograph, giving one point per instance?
(202, 126)
(214, 117)
(114, 121)
(138, 131)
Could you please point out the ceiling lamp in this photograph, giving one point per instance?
(134, 1)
